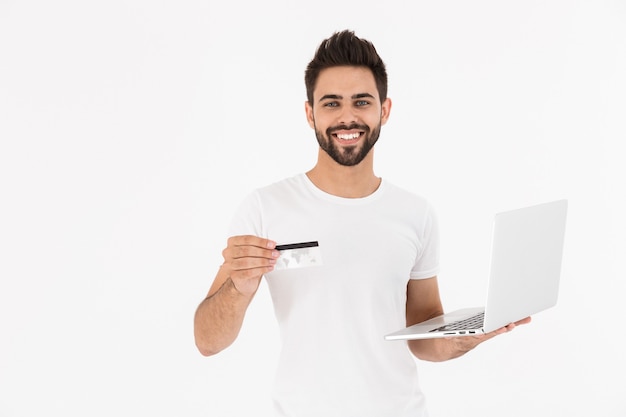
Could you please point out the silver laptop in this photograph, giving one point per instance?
(526, 253)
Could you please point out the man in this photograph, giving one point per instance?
(379, 247)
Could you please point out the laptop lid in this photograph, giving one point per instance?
(526, 256)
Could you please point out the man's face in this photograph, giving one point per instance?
(346, 113)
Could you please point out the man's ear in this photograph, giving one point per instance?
(309, 114)
(385, 111)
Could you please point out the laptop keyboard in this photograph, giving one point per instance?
(473, 322)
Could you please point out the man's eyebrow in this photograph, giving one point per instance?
(338, 97)
(331, 97)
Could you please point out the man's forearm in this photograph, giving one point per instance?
(218, 319)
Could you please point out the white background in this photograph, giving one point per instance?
(131, 129)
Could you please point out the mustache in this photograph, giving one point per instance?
(353, 126)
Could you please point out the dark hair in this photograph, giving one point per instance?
(346, 49)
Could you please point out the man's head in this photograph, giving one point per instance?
(346, 49)
(347, 98)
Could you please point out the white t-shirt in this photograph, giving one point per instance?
(332, 318)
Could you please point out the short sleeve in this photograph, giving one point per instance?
(427, 261)
(247, 218)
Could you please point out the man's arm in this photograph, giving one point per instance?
(219, 316)
(423, 303)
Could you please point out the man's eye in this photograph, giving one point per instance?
(331, 104)
(361, 103)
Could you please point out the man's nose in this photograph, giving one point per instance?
(347, 116)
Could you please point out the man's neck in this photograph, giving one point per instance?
(345, 181)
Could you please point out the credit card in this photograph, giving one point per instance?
(298, 255)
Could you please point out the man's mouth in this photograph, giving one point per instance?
(348, 137)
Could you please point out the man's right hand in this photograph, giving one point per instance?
(219, 316)
(246, 259)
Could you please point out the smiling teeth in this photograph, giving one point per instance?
(348, 137)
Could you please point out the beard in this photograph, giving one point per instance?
(348, 155)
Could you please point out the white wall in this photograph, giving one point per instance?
(130, 129)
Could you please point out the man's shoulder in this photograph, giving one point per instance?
(406, 195)
(281, 185)
(281, 189)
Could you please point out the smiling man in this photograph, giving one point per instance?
(346, 112)
(372, 258)
(349, 112)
